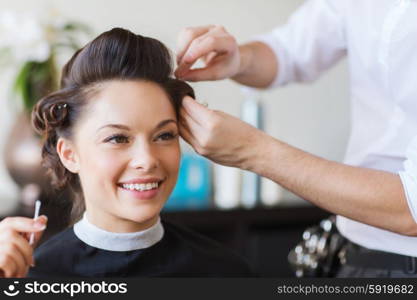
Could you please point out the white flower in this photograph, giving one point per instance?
(25, 35)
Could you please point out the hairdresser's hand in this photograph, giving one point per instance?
(218, 136)
(16, 255)
(215, 46)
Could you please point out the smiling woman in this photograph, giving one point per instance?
(121, 79)
(128, 154)
(111, 134)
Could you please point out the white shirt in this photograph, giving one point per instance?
(379, 38)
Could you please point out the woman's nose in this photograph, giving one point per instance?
(145, 158)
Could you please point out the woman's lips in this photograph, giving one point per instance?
(143, 195)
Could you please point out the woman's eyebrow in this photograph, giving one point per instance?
(165, 122)
(124, 127)
(118, 126)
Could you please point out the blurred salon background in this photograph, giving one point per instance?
(249, 214)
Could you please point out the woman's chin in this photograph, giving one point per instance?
(144, 216)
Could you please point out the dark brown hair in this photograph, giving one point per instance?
(117, 54)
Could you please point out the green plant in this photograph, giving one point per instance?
(31, 45)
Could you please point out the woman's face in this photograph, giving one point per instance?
(126, 152)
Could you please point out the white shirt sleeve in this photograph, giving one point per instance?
(310, 42)
(409, 177)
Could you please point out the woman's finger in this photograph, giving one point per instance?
(19, 260)
(23, 246)
(23, 224)
(7, 265)
(38, 236)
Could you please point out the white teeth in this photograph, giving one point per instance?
(141, 186)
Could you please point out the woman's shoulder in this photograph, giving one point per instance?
(59, 242)
(54, 253)
(205, 252)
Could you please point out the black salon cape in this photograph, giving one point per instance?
(180, 253)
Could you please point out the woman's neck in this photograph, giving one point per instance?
(116, 224)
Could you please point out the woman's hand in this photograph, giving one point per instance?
(218, 49)
(16, 254)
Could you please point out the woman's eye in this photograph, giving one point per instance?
(167, 136)
(117, 139)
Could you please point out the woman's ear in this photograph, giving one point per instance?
(68, 155)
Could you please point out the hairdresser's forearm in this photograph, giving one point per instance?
(368, 196)
(258, 65)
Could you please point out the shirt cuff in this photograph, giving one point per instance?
(409, 183)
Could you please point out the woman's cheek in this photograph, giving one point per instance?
(110, 161)
(104, 164)
(172, 161)
(172, 157)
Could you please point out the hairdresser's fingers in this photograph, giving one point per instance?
(212, 72)
(187, 136)
(195, 128)
(7, 265)
(192, 140)
(217, 41)
(188, 122)
(209, 57)
(199, 113)
(186, 36)
(199, 137)
(22, 224)
(200, 48)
